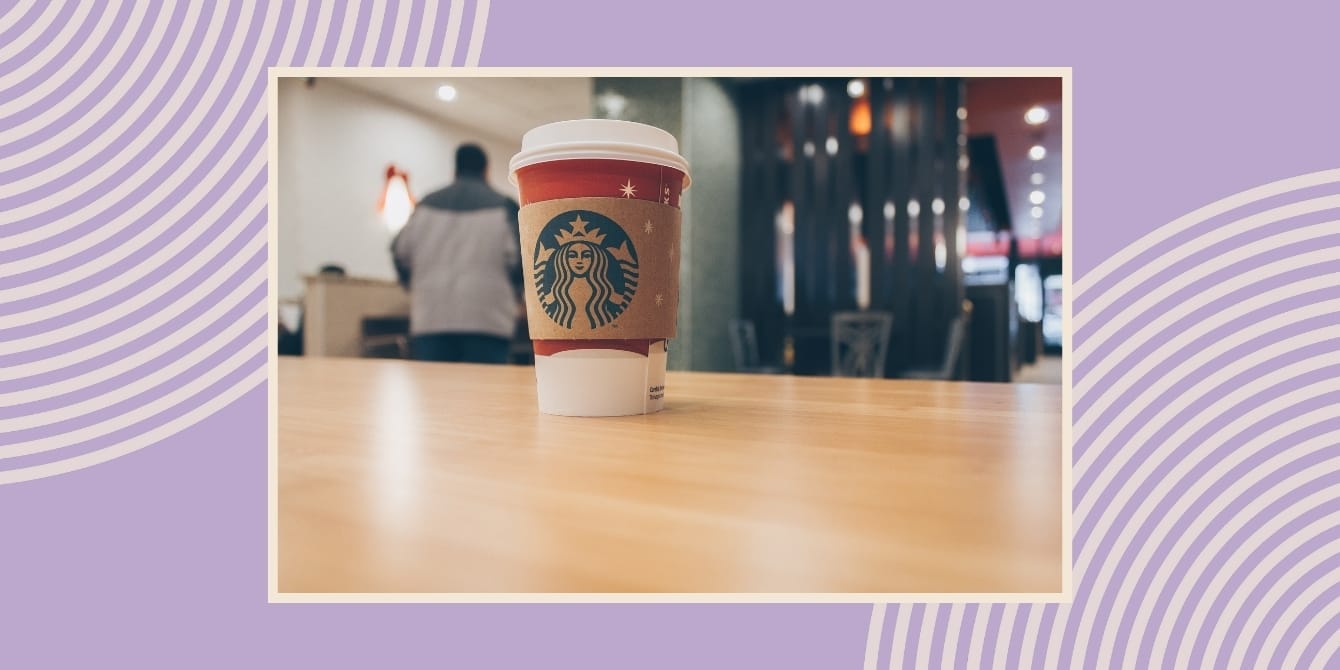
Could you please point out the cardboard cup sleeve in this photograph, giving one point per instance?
(600, 268)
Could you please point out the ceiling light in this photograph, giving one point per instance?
(1037, 197)
(446, 92)
(938, 206)
(1036, 116)
(1037, 212)
(854, 213)
(1038, 152)
(856, 88)
(1037, 178)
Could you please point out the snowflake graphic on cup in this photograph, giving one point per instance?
(585, 269)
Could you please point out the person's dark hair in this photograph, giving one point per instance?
(470, 160)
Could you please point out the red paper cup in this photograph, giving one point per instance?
(597, 158)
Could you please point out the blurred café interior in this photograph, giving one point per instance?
(871, 226)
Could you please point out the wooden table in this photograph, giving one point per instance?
(418, 477)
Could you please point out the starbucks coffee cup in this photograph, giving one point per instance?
(600, 226)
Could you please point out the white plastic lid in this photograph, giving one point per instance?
(599, 139)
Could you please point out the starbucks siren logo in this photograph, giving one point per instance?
(585, 269)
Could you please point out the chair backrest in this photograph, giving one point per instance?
(860, 342)
(953, 346)
(744, 344)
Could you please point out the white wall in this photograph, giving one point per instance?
(335, 142)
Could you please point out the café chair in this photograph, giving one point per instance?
(953, 348)
(385, 337)
(860, 342)
(744, 347)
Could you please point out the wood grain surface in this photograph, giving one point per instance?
(397, 476)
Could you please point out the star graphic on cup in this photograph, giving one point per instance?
(660, 299)
(647, 226)
(628, 189)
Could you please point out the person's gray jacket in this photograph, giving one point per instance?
(458, 257)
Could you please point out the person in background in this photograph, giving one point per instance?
(458, 257)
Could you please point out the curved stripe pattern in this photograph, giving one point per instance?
(132, 205)
(1207, 411)
(1207, 456)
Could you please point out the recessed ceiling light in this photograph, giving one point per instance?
(856, 88)
(1038, 152)
(1037, 178)
(1037, 197)
(1037, 212)
(1036, 116)
(938, 206)
(446, 92)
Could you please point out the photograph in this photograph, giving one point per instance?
(728, 336)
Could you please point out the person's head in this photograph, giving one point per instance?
(470, 161)
(579, 256)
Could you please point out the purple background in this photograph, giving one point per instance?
(158, 558)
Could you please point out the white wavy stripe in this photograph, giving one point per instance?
(1133, 371)
(899, 641)
(1295, 611)
(324, 17)
(873, 634)
(144, 165)
(1004, 635)
(922, 658)
(1256, 620)
(190, 228)
(1150, 392)
(477, 33)
(1142, 246)
(67, 33)
(33, 31)
(54, 110)
(1330, 650)
(1175, 480)
(453, 32)
(144, 139)
(1053, 659)
(140, 356)
(345, 39)
(1309, 633)
(1031, 633)
(133, 444)
(1171, 286)
(1236, 558)
(291, 35)
(398, 34)
(146, 411)
(159, 288)
(949, 650)
(154, 379)
(1182, 547)
(425, 30)
(1212, 550)
(169, 314)
(372, 33)
(977, 636)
